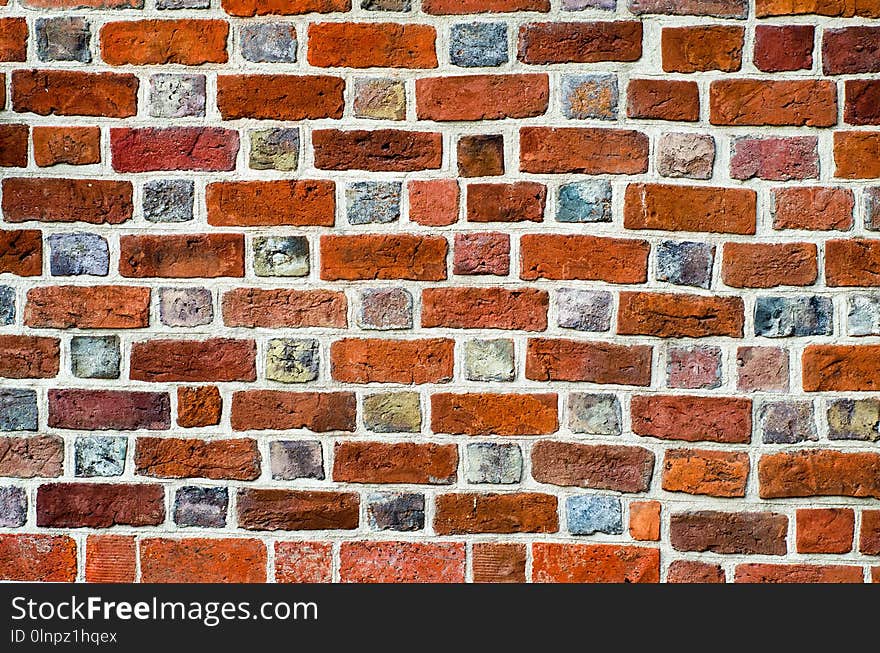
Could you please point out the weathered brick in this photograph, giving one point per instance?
(202, 560)
(596, 362)
(354, 360)
(143, 42)
(594, 563)
(495, 513)
(587, 150)
(581, 42)
(825, 530)
(729, 532)
(775, 159)
(391, 150)
(297, 510)
(782, 48)
(757, 265)
(702, 48)
(813, 208)
(690, 208)
(807, 102)
(216, 359)
(190, 458)
(399, 462)
(303, 562)
(485, 308)
(770, 573)
(259, 410)
(704, 471)
(383, 256)
(182, 256)
(849, 50)
(564, 257)
(371, 45)
(816, 472)
(599, 466)
(402, 562)
(482, 97)
(74, 93)
(97, 201)
(120, 410)
(284, 308)
(205, 149)
(27, 457)
(670, 315)
(857, 155)
(494, 414)
(663, 99)
(37, 558)
(99, 505)
(693, 419)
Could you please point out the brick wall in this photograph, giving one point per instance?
(420, 290)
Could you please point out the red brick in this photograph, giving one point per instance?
(644, 521)
(391, 150)
(523, 512)
(720, 8)
(480, 155)
(564, 257)
(237, 459)
(494, 414)
(668, 315)
(296, 202)
(378, 360)
(116, 410)
(99, 505)
(283, 7)
(383, 256)
(182, 256)
(74, 93)
(690, 208)
(203, 149)
(198, 406)
(284, 308)
(95, 201)
(485, 308)
(813, 208)
(663, 99)
(767, 265)
(21, 252)
(482, 97)
(216, 359)
(402, 562)
(825, 530)
(862, 105)
(702, 48)
(843, 8)
(111, 559)
(829, 368)
(776, 159)
(397, 462)
(691, 571)
(27, 457)
(483, 6)
(869, 534)
(594, 563)
(747, 533)
(706, 472)
(54, 5)
(37, 558)
(13, 39)
(482, 253)
(278, 410)
(693, 419)
(143, 42)
(74, 146)
(499, 563)
(857, 155)
(849, 50)
(303, 562)
(29, 357)
(782, 48)
(280, 97)
(522, 201)
(595, 362)
(815, 473)
(800, 102)
(599, 466)
(13, 145)
(202, 560)
(88, 307)
(297, 510)
(372, 45)
(587, 150)
(854, 262)
(581, 42)
(769, 573)
(434, 202)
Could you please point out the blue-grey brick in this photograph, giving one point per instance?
(854, 419)
(373, 202)
(185, 307)
(201, 506)
(100, 455)
(292, 360)
(274, 149)
(782, 317)
(63, 39)
(291, 459)
(872, 208)
(864, 315)
(488, 462)
(76, 254)
(281, 256)
(594, 513)
(489, 360)
(168, 200)
(95, 357)
(685, 263)
(13, 506)
(18, 409)
(584, 201)
(7, 305)
(590, 96)
(269, 42)
(584, 310)
(386, 5)
(388, 511)
(787, 422)
(596, 414)
(472, 45)
(174, 95)
(385, 309)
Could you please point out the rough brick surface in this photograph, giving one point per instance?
(439, 290)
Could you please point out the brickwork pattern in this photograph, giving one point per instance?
(440, 290)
